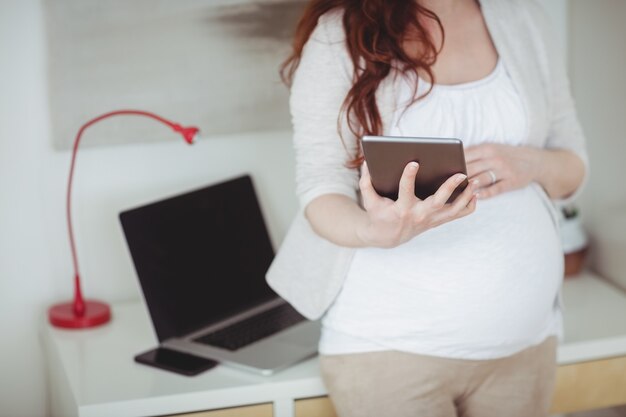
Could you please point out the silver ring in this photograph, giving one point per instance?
(493, 177)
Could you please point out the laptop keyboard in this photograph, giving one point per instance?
(254, 328)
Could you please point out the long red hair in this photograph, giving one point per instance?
(375, 34)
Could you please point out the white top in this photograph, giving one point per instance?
(480, 287)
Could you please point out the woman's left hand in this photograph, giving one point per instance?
(499, 168)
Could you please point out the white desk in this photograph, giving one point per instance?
(92, 373)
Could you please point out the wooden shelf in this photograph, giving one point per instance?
(314, 407)
(261, 410)
(590, 385)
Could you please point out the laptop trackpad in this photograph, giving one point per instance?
(305, 335)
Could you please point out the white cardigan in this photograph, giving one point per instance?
(308, 270)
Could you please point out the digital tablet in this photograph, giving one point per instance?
(438, 158)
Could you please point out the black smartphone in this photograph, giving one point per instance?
(172, 360)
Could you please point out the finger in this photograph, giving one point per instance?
(406, 188)
(474, 153)
(459, 204)
(476, 167)
(445, 191)
(463, 199)
(468, 209)
(482, 151)
(484, 179)
(368, 193)
(493, 190)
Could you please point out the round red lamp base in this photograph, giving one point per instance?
(96, 314)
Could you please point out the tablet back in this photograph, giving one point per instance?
(439, 158)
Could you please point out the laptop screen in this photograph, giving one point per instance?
(200, 256)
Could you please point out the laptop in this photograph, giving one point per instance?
(201, 259)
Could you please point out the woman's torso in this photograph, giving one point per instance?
(482, 286)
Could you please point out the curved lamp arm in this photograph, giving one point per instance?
(78, 314)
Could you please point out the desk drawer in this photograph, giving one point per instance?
(314, 407)
(590, 385)
(259, 410)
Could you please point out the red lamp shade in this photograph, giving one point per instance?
(81, 313)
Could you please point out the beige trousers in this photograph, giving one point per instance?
(399, 384)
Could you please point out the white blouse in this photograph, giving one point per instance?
(480, 287)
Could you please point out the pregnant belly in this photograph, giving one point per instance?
(492, 275)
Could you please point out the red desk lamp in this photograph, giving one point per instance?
(82, 313)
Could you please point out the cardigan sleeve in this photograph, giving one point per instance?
(565, 131)
(320, 85)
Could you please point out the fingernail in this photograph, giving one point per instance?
(413, 166)
(460, 177)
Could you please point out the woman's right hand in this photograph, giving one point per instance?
(390, 223)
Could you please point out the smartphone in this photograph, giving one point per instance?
(439, 159)
(172, 360)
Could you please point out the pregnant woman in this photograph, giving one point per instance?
(431, 309)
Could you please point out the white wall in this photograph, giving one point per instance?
(598, 74)
(25, 282)
(35, 263)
